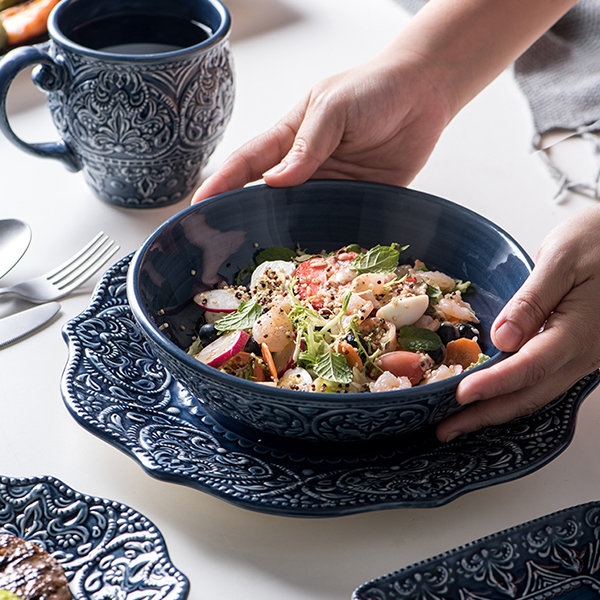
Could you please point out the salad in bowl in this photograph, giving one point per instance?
(349, 321)
(276, 320)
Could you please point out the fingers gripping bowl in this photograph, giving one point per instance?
(218, 239)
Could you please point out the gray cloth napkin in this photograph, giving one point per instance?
(560, 73)
(560, 78)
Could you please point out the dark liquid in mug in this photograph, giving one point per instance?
(139, 34)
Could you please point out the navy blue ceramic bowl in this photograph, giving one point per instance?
(218, 238)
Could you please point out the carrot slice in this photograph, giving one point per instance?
(351, 354)
(27, 21)
(462, 351)
(268, 358)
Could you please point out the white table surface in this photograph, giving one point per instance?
(482, 161)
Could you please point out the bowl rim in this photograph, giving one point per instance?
(226, 379)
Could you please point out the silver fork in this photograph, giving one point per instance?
(66, 277)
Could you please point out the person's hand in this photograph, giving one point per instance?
(376, 122)
(562, 294)
(381, 120)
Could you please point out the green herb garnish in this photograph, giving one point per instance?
(434, 293)
(244, 274)
(333, 367)
(353, 248)
(243, 318)
(274, 253)
(461, 286)
(193, 350)
(379, 259)
(480, 360)
(418, 339)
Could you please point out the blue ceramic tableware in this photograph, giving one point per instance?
(554, 557)
(139, 91)
(217, 239)
(107, 549)
(115, 388)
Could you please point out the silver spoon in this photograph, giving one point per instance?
(15, 236)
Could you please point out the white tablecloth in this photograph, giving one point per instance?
(482, 161)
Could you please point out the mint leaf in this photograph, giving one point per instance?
(333, 367)
(379, 259)
(418, 339)
(274, 253)
(243, 318)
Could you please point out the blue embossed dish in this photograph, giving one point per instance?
(115, 388)
(218, 238)
(554, 557)
(108, 550)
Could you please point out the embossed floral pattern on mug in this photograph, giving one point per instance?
(140, 119)
(145, 133)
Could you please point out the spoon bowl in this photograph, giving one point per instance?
(15, 237)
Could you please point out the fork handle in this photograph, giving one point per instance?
(50, 76)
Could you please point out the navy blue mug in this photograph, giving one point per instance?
(139, 91)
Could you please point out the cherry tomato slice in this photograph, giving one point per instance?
(311, 276)
(314, 274)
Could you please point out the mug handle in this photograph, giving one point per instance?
(50, 77)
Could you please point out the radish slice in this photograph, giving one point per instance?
(284, 359)
(283, 270)
(218, 300)
(217, 353)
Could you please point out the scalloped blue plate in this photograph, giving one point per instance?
(115, 387)
(108, 550)
(554, 557)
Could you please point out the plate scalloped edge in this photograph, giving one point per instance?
(114, 387)
(108, 550)
(546, 557)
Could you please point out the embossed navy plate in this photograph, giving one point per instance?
(214, 240)
(115, 387)
(108, 550)
(554, 557)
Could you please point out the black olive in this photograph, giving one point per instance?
(252, 346)
(447, 332)
(351, 339)
(208, 333)
(468, 331)
(437, 356)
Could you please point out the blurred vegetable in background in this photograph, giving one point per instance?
(23, 22)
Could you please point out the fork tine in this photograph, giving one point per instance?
(80, 264)
(84, 273)
(78, 255)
